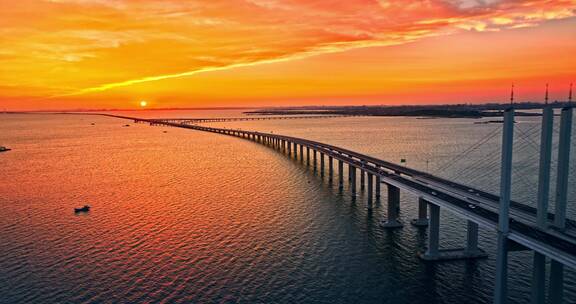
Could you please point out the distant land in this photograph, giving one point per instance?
(432, 111)
(425, 111)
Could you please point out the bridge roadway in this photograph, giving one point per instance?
(227, 119)
(469, 203)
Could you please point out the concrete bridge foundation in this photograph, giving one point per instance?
(393, 208)
(433, 251)
(370, 190)
(422, 220)
(340, 174)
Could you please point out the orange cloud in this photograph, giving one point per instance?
(68, 48)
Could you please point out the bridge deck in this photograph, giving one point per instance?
(472, 204)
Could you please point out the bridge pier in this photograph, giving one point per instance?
(349, 173)
(422, 220)
(556, 287)
(434, 232)
(378, 182)
(472, 249)
(321, 164)
(289, 149)
(301, 153)
(340, 174)
(352, 171)
(330, 168)
(434, 253)
(370, 190)
(393, 208)
(538, 288)
(295, 151)
(315, 162)
(308, 156)
(362, 180)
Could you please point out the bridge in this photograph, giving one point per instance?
(229, 119)
(516, 225)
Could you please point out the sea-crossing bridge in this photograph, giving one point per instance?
(517, 226)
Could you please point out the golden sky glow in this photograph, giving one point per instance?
(58, 54)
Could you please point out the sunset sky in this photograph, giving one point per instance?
(80, 54)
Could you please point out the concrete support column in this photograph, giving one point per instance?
(422, 219)
(340, 174)
(378, 182)
(472, 239)
(322, 164)
(352, 170)
(301, 152)
(370, 190)
(349, 173)
(538, 293)
(393, 208)
(308, 156)
(315, 161)
(330, 168)
(362, 181)
(501, 284)
(556, 287)
(433, 249)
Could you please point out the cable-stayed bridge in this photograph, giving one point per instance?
(517, 226)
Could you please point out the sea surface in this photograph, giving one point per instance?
(183, 216)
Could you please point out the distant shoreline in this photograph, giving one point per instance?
(472, 111)
(430, 111)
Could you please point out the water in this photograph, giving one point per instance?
(194, 217)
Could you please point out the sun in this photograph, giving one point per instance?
(143, 103)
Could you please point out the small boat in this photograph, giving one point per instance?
(86, 208)
(126, 125)
(4, 149)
